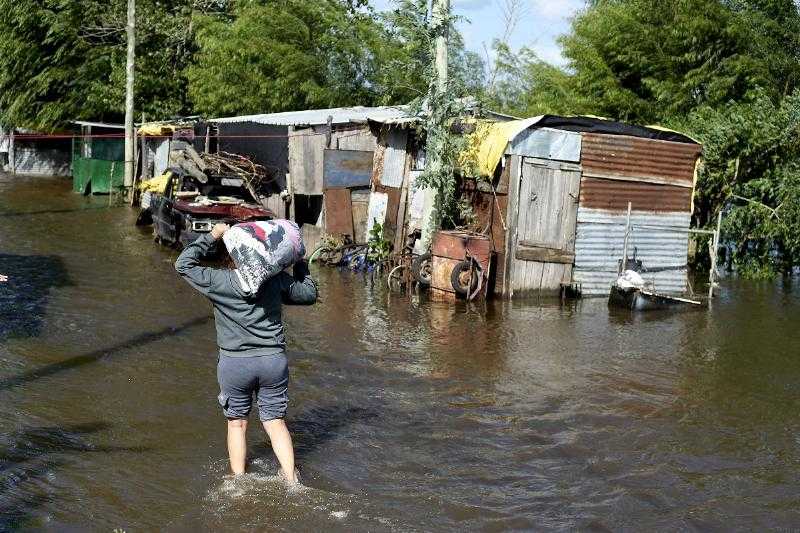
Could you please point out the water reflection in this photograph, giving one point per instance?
(29, 461)
(408, 414)
(24, 297)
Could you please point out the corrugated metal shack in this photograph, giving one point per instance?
(345, 167)
(31, 153)
(559, 209)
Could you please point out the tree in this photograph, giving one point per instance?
(63, 60)
(752, 170)
(277, 55)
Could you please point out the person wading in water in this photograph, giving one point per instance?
(252, 346)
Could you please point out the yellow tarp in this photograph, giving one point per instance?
(156, 130)
(487, 144)
(157, 184)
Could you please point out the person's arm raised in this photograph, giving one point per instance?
(299, 288)
(188, 263)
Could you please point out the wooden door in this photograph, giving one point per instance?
(544, 244)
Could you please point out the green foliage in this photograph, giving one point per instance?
(378, 248)
(526, 86)
(63, 60)
(278, 55)
(752, 170)
(437, 109)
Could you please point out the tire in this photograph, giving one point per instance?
(421, 269)
(461, 285)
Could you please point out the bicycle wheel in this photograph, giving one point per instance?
(397, 278)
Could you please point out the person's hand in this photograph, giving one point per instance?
(3, 278)
(300, 270)
(219, 230)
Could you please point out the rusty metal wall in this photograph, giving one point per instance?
(662, 245)
(643, 160)
(614, 195)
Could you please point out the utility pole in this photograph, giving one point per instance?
(441, 14)
(440, 22)
(130, 139)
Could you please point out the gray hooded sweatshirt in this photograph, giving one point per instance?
(248, 325)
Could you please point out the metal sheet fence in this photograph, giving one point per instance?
(41, 162)
(662, 246)
(96, 175)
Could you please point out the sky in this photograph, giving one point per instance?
(543, 22)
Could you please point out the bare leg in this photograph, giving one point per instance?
(282, 446)
(237, 444)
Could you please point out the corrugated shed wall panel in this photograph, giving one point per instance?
(599, 242)
(42, 162)
(620, 155)
(547, 143)
(394, 159)
(614, 195)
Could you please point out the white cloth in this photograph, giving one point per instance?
(630, 280)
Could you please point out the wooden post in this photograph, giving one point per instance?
(624, 265)
(144, 173)
(208, 138)
(12, 154)
(712, 274)
(130, 31)
(289, 178)
(139, 168)
(515, 163)
(87, 141)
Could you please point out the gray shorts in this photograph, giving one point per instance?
(266, 376)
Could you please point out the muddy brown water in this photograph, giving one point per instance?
(407, 415)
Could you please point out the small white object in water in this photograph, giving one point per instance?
(630, 280)
(339, 515)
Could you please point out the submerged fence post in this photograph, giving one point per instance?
(624, 266)
(712, 274)
(12, 154)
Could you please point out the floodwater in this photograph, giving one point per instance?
(407, 415)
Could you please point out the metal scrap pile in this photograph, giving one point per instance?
(225, 169)
(233, 166)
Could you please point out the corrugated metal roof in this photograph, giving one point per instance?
(614, 195)
(99, 124)
(600, 239)
(317, 117)
(622, 156)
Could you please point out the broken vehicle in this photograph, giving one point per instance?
(200, 190)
